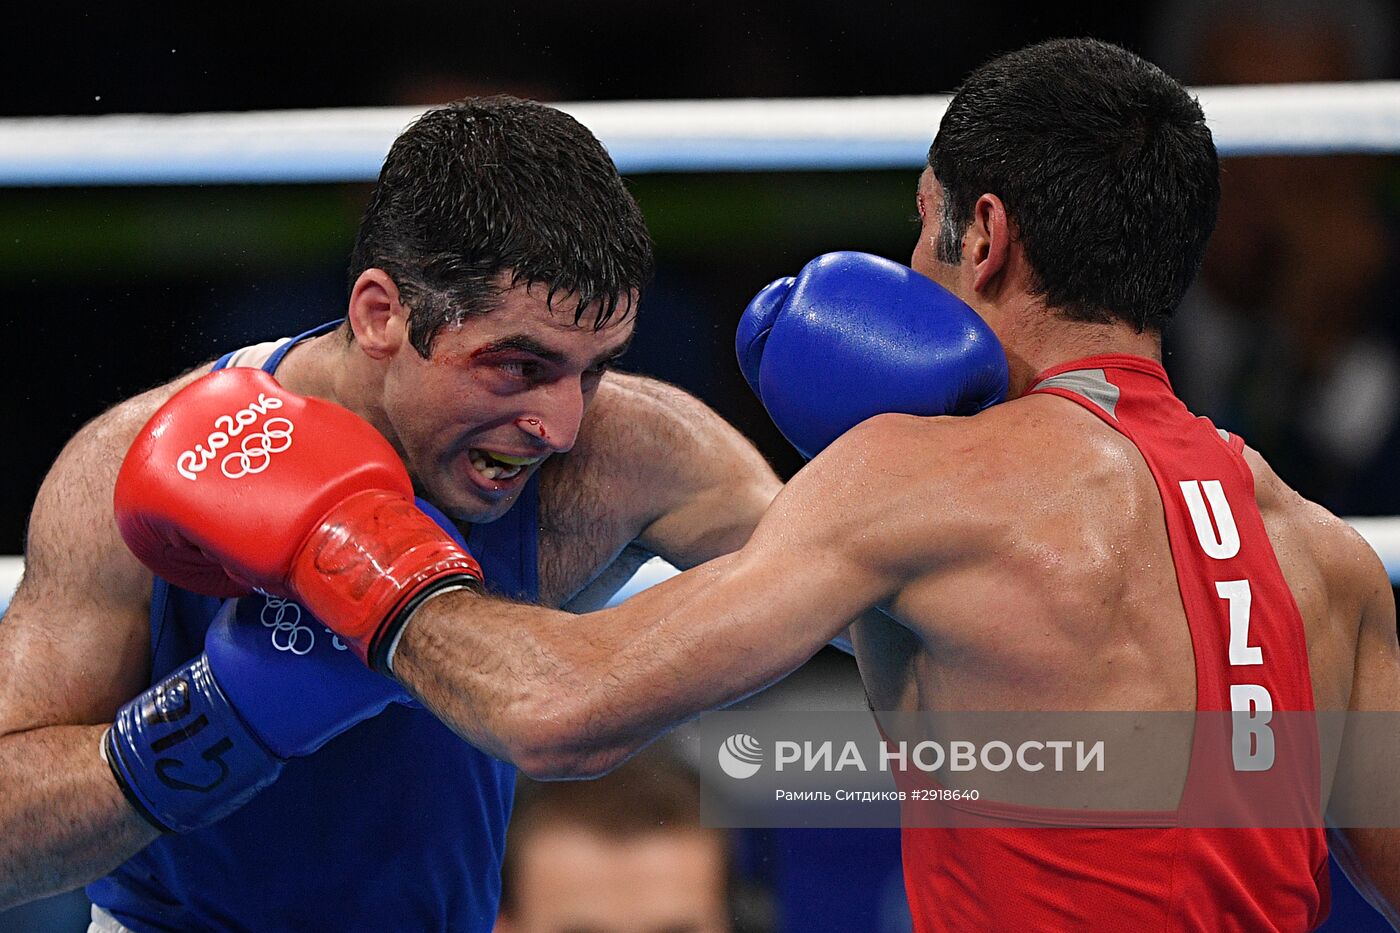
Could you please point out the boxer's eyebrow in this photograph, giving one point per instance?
(524, 343)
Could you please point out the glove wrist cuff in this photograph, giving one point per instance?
(182, 755)
(386, 641)
(371, 556)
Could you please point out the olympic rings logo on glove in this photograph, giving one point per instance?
(255, 453)
(288, 634)
(274, 439)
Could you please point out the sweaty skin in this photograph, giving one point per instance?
(648, 470)
(1019, 557)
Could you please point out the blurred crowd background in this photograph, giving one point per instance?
(1291, 337)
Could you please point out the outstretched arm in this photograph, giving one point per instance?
(563, 696)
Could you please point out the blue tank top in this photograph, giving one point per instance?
(396, 824)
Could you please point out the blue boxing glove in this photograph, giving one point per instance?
(272, 684)
(855, 335)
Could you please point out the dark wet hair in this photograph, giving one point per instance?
(494, 192)
(1106, 167)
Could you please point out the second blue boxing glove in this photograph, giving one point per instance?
(273, 683)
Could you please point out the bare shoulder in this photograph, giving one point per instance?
(979, 482)
(911, 489)
(74, 638)
(655, 465)
(1349, 567)
(637, 415)
(72, 534)
(1006, 447)
(630, 440)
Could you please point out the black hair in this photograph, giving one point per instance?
(1107, 169)
(488, 193)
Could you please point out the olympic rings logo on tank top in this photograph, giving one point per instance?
(255, 451)
(288, 634)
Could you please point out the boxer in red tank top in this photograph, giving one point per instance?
(1110, 551)
(1249, 652)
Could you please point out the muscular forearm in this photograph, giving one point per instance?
(563, 695)
(63, 820)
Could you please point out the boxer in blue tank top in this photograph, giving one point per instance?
(444, 847)
(489, 294)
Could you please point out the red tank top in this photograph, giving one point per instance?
(1250, 654)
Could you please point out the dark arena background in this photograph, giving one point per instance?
(1291, 336)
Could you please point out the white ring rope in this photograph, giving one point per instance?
(338, 145)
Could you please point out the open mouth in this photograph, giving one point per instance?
(499, 467)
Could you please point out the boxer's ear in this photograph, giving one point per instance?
(377, 317)
(989, 239)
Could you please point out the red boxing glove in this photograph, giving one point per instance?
(237, 484)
